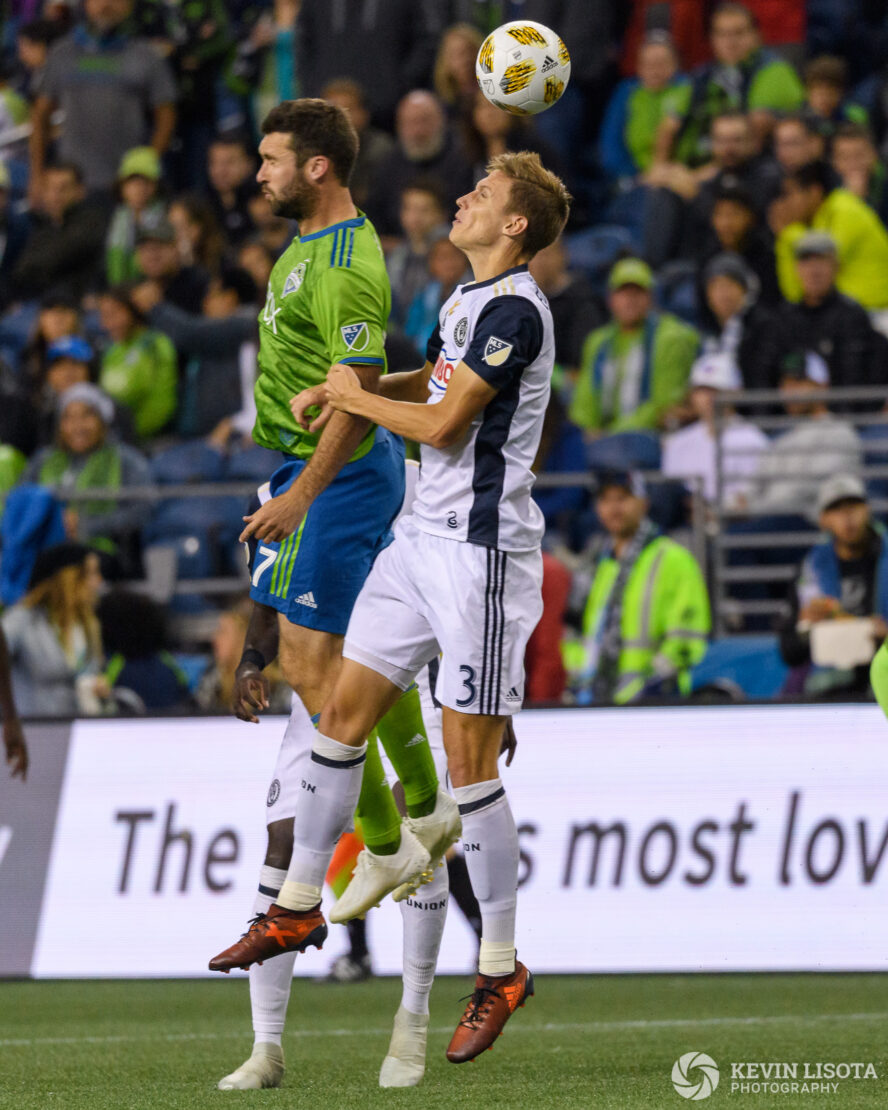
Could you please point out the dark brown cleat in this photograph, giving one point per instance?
(271, 934)
(492, 1003)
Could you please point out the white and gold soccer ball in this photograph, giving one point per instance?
(523, 67)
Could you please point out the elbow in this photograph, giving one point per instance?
(445, 436)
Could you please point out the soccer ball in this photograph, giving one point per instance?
(523, 67)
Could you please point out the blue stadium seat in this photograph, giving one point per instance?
(597, 249)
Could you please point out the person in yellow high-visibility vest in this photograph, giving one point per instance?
(646, 622)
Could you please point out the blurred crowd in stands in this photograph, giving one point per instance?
(728, 168)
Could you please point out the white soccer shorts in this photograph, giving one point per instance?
(478, 607)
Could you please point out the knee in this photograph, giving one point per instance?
(342, 720)
(280, 845)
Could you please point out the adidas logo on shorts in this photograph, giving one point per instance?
(513, 695)
(307, 599)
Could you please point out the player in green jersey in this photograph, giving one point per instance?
(314, 539)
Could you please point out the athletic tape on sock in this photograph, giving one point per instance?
(331, 753)
(478, 795)
(299, 896)
(496, 957)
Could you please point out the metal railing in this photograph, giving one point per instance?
(844, 404)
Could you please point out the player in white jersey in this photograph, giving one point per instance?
(463, 575)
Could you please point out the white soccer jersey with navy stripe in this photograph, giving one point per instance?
(478, 490)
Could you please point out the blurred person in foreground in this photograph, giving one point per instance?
(54, 637)
(844, 576)
(646, 620)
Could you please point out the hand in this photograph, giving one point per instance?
(343, 387)
(314, 397)
(146, 296)
(820, 609)
(251, 690)
(275, 520)
(16, 749)
(510, 742)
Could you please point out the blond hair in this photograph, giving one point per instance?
(62, 598)
(537, 194)
(443, 79)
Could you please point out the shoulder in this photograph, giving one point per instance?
(672, 327)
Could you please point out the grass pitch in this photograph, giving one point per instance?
(582, 1042)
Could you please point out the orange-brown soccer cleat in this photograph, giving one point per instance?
(271, 934)
(492, 1003)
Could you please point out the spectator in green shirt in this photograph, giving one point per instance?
(634, 369)
(636, 108)
(140, 368)
(139, 206)
(744, 76)
(809, 202)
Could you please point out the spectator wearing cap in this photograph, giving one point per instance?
(140, 367)
(157, 254)
(53, 636)
(86, 456)
(810, 202)
(844, 576)
(634, 369)
(815, 448)
(692, 450)
(68, 363)
(63, 251)
(829, 323)
(138, 182)
(734, 227)
(858, 166)
(743, 76)
(636, 107)
(116, 93)
(742, 328)
(217, 347)
(646, 620)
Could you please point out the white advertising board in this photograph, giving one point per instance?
(680, 839)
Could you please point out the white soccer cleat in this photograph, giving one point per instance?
(265, 1068)
(436, 832)
(375, 876)
(404, 1065)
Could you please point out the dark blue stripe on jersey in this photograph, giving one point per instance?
(351, 243)
(343, 241)
(473, 285)
(502, 557)
(362, 359)
(484, 643)
(434, 667)
(490, 466)
(473, 807)
(434, 345)
(334, 229)
(333, 249)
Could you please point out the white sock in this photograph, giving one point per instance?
(326, 807)
(490, 845)
(270, 983)
(423, 914)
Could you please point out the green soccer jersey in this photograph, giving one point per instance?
(328, 301)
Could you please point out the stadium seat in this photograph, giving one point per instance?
(597, 249)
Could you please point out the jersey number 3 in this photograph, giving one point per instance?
(468, 685)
